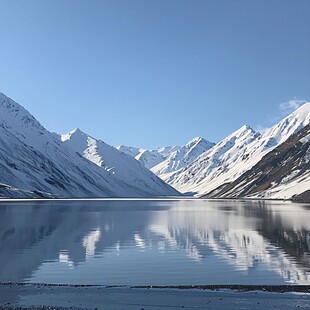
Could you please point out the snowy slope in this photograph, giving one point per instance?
(182, 157)
(236, 154)
(129, 150)
(34, 160)
(45, 167)
(213, 162)
(282, 173)
(122, 166)
(148, 158)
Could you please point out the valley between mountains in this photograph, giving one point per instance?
(35, 162)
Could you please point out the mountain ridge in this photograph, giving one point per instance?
(122, 166)
(235, 154)
(283, 173)
(168, 159)
(35, 162)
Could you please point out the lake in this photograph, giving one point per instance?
(155, 242)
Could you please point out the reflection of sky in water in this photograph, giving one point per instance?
(155, 242)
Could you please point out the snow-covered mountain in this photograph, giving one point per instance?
(213, 162)
(148, 158)
(35, 162)
(166, 160)
(282, 173)
(182, 157)
(236, 154)
(129, 150)
(120, 165)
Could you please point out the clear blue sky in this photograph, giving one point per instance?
(155, 72)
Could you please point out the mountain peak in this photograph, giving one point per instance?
(198, 140)
(244, 130)
(76, 133)
(194, 141)
(77, 130)
(289, 125)
(246, 127)
(14, 115)
(302, 112)
(305, 106)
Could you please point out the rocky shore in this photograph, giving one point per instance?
(43, 297)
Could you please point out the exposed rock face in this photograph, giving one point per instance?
(282, 173)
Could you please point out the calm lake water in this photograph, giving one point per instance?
(154, 242)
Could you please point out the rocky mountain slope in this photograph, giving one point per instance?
(236, 154)
(282, 173)
(35, 162)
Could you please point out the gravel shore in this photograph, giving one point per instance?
(42, 296)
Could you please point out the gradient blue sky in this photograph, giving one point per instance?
(155, 72)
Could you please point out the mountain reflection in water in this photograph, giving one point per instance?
(155, 242)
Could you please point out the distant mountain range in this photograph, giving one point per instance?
(37, 163)
(215, 168)
(148, 158)
(165, 160)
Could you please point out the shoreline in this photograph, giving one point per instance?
(177, 198)
(53, 296)
(282, 288)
